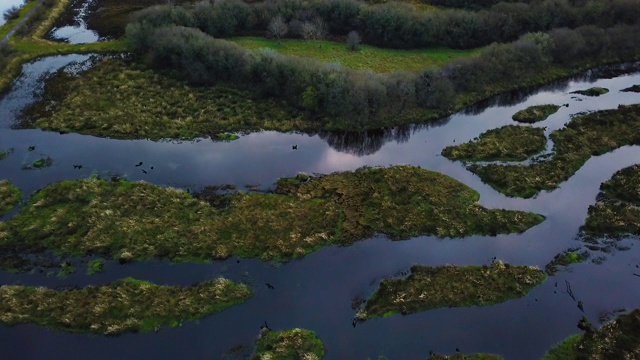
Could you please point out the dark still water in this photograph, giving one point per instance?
(316, 292)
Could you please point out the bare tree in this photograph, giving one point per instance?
(313, 30)
(277, 27)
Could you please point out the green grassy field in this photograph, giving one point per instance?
(365, 58)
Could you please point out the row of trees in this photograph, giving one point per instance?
(360, 96)
(396, 25)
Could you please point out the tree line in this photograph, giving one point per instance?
(395, 25)
(363, 97)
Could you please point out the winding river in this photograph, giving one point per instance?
(315, 293)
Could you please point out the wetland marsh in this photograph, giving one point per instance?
(309, 224)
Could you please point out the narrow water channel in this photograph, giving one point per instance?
(316, 291)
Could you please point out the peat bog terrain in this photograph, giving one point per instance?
(143, 215)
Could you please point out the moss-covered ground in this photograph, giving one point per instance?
(136, 221)
(9, 196)
(451, 286)
(594, 91)
(95, 266)
(508, 143)
(293, 344)
(536, 113)
(123, 306)
(586, 135)
(121, 99)
(633, 88)
(566, 350)
(459, 356)
(617, 208)
(365, 58)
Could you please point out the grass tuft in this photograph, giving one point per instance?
(9, 196)
(290, 344)
(594, 91)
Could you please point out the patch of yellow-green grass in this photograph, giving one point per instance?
(9, 196)
(127, 305)
(53, 14)
(137, 221)
(365, 58)
(535, 113)
(6, 27)
(586, 135)
(451, 286)
(508, 143)
(459, 356)
(565, 259)
(121, 99)
(293, 344)
(566, 350)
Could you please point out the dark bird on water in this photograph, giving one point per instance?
(31, 148)
(294, 147)
(265, 326)
(581, 306)
(139, 164)
(354, 322)
(77, 166)
(151, 168)
(269, 286)
(144, 171)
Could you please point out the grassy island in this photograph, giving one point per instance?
(459, 356)
(586, 135)
(618, 339)
(127, 305)
(9, 196)
(153, 105)
(293, 344)
(451, 286)
(136, 221)
(633, 88)
(536, 113)
(565, 259)
(617, 208)
(508, 143)
(594, 91)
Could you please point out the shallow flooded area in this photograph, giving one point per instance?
(317, 292)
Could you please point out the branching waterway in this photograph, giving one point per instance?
(316, 292)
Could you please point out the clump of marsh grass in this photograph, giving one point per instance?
(9, 196)
(451, 286)
(586, 135)
(293, 344)
(617, 209)
(594, 91)
(127, 305)
(508, 143)
(535, 113)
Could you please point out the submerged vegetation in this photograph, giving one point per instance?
(565, 259)
(123, 306)
(586, 135)
(9, 196)
(594, 91)
(617, 208)
(508, 143)
(293, 344)
(95, 266)
(451, 286)
(39, 164)
(136, 221)
(536, 113)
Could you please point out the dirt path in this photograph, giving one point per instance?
(5, 40)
